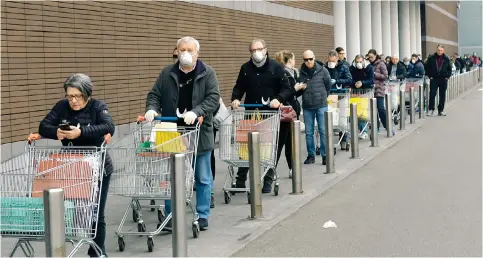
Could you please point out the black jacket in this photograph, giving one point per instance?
(400, 70)
(94, 120)
(318, 86)
(432, 71)
(292, 101)
(341, 74)
(267, 82)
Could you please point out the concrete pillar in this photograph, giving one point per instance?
(353, 34)
(386, 27)
(394, 29)
(339, 24)
(376, 23)
(404, 34)
(418, 27)
(365, 26)
(412, 26)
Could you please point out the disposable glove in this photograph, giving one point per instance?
(275, 103)
(149, 116)
(190, 118)
(332, 81)
(235, 104)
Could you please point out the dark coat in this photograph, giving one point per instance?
(340, 74)
(94, 120)
(268, 82)
(380, 77)
(292, 101)
(318, 87)
(364, 75)
(400, 70)
(432, 71)
(205, 99)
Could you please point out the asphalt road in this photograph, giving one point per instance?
(422, 197)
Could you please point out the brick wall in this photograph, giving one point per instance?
(123, 46)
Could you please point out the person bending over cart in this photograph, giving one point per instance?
(80, 120)
(260, 78)
(190, 85)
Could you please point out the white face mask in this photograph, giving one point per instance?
(359, 65)
(331, 65)
(259, 56)
(413, 61)
(186, 59)
(406, 63)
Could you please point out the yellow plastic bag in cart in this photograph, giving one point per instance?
(362, 107)
(251, 125)
(168, 138)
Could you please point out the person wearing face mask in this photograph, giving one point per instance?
(438, 69)
(314, 103)
(287, 59)
(339, 73)
(190, 86)
(396, 69)
(417, 67)
(260, 79)
(407, 64)
(387, 60)
(380, 77)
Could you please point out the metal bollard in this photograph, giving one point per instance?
(354, 139)
(374, 135)
(296, 159)
(54, 222)
(178, 197)
(421, 101)
(427, 97)
(255, 175)
(329, 142)
(412, 115)
(402, 103)
(387, 101)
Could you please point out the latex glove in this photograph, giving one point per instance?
(358, 84)
(275, 103)
(190, 118)
(149, 116)
(332, 81)
(300, 86)
(235, 104)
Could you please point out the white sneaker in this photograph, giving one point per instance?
(363, 136)
(430, 113)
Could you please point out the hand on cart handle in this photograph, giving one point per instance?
(107, 138)
(166, 119)
(33, 137)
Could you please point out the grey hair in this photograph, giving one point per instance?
(332, 53)
(189, 39)
(81, 82)
(255, 41)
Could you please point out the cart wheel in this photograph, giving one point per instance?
(121, 243)
(347, 147)
(135, 216)
(248, 197)
(396, 121)
(227, 198)
(196, 230)
(275, 190)
(153, 202)
(141, 227)
(335, 151)
(161, 216)
(150, 244)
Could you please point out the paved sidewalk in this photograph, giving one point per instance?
(230, 230)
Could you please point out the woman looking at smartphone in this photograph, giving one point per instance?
(80, 120)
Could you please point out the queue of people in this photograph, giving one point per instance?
(191, 84)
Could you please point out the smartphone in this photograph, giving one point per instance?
(64, 127)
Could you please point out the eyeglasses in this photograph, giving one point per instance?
(257, 49)
(308, 59)
(72, 97)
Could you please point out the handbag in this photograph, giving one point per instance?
(287, 114)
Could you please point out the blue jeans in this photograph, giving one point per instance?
(203, 183)
(309, 119)
(381, 109)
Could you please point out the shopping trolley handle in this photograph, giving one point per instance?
(339, 90)
(252, 105)
(166, 118)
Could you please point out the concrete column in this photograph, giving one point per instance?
(353, 34)
(365, 26)
(412, 26)
(394, 29)
(404, 34)
(376, 23)
(339, 24)
(418, 27)
(386, 27)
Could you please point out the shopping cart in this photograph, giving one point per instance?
(393, 88)
(414, 83)
(142, 168)
(362, 98)
(338, 103)
(77, 170)
(234, 144)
